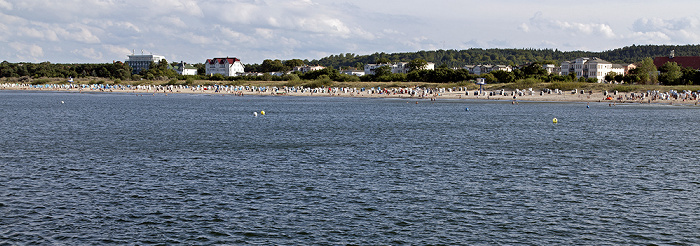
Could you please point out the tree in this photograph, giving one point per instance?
(610, 76)
(670, 74)
(271, 66)
(503, 76)
(382, 71)
(619, 78)
(489, 78)
(382, 60)
(417, 64)
(690, 76)
(647, 71)
(293, 63)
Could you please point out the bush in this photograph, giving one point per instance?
(293, 83)
(566, 86)
(627, 88)
(40, 81)
(290, 77)
(216, 77)
(322, 81)
(524, 83)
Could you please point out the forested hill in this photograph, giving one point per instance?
(459, 58)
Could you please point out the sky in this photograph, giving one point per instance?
(102, 31)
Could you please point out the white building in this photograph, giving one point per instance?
(551, 69)
(307, 68)
(183, 68)
(590, 68)
(399, 67)
(353, 72)
(139, 63)
(483, 69)
(224, 66)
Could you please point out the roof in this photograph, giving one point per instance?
(222, 60)
(683, 61)
(598, 60)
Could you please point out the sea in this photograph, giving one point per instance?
(193, 169)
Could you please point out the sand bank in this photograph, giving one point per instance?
(417, 93)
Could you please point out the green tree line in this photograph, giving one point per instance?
(529, 61)
(475, 56)
(117, 70)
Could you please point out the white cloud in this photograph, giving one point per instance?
(79, 33)
(656, 30)
(25, 51)
(254, 30)
(88, 53)
(173, 21)
(572, 28)
(264, 33)
(5, 5)
(117, 51)
(524, 27)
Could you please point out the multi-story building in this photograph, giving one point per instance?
(399, 67)
(591, 68)
(551, 68)
(224, 66)
(483, 69)
(353, 72)
(307, 68)
(142, 62)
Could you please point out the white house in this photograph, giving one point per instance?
(307, 68)
(551, 69)
(591, 68)
(399, 67)
(183, 68)
(353, 72)
(139, 63)
(482, 69)
(224, 66)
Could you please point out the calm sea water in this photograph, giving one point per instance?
(194, 169)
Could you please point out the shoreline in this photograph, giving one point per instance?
(515, 96)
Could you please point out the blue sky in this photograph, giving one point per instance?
(98, 31)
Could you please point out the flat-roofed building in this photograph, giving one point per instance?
(139, 63)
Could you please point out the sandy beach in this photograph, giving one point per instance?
(419, 94)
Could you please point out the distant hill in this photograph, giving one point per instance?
(459, 58)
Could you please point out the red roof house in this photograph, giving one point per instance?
(683, 61)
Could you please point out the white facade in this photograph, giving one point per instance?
(307, 68)
(399, 67)
(353, 72)
(183, 68)
(550, 68)
(590, 68)
(224, 66)
(482, 69)
(139, 63)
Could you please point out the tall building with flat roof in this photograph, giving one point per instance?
(142, 62)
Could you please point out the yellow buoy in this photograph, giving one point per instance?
(262, 112)
(555, 120)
